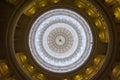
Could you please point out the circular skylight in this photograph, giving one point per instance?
(60, 40)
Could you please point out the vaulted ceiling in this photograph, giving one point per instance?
(59, 39)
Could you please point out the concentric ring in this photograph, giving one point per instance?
(60, 40)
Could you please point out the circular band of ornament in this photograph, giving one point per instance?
(60, 40)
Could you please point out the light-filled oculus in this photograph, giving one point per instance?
(60, 40)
